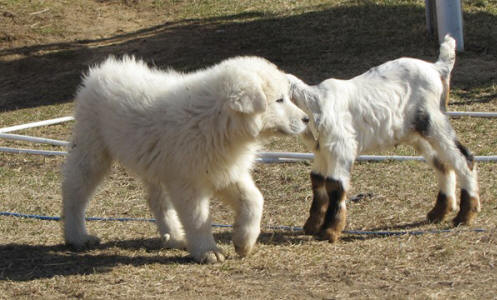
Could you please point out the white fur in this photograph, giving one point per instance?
(189, 137)
(379, 109)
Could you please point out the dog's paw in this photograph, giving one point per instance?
(87, 241)
(211, 257)
(243, 251)
(171, 243)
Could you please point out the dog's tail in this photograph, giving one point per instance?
(444, 65)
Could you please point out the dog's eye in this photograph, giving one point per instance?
(280, 100)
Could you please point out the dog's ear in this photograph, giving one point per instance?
(249, 101)
(248, 96)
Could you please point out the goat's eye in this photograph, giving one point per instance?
(280, 100)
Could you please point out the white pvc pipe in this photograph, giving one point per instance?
(472, 114)
(449, 20)
(36, 124)
(291, 156)
(33, 139)
(70, 118)
(31, 151)
(273, 157)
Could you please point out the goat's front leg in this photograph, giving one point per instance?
(336, 214)
(339, 166)
(319, 205)
(319, 195)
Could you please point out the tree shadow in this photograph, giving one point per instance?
(341, 42)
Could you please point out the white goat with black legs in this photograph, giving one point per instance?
(399, 102)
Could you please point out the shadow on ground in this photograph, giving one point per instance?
(29, 262)
(339, 42)
(21, 262)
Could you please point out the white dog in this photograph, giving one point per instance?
(401, 101)
(189, 137)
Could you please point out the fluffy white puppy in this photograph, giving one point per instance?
(401, 101)
(189, 137)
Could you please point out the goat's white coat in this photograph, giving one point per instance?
(377, 110)
(189, 137)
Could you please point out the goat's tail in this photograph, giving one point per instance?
(444, 65)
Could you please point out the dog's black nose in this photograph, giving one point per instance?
(305, 120)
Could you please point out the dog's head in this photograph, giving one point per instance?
(260, 91)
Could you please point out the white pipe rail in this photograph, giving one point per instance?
(474, 114)
(65, 119)
(36, 124)
(294, 157)
(273, 157)
(33, 139)
(70, 118)
(265, 157)
(32, 151)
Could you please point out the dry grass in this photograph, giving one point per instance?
(42, 55)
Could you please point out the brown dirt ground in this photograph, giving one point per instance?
(46, 44)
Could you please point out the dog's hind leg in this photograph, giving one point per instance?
(83, 170)
(446, 199)
(192, 206)
(168, 224)
(247, 202)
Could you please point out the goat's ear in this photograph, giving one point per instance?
(306, 98)
(248, 96)
(297, 91)
(293, 83)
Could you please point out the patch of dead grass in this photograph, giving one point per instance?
(315, 40)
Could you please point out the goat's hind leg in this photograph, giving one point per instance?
(446, 199)
(453, 154)
(470, 199)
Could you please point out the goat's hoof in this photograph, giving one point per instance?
(435, 216)
(243, 251)
(329, 235)
(311, 227)
(466, 219)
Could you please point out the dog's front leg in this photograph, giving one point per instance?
(192, 206)
(247, 202)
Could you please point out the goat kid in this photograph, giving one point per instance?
(399, 102)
